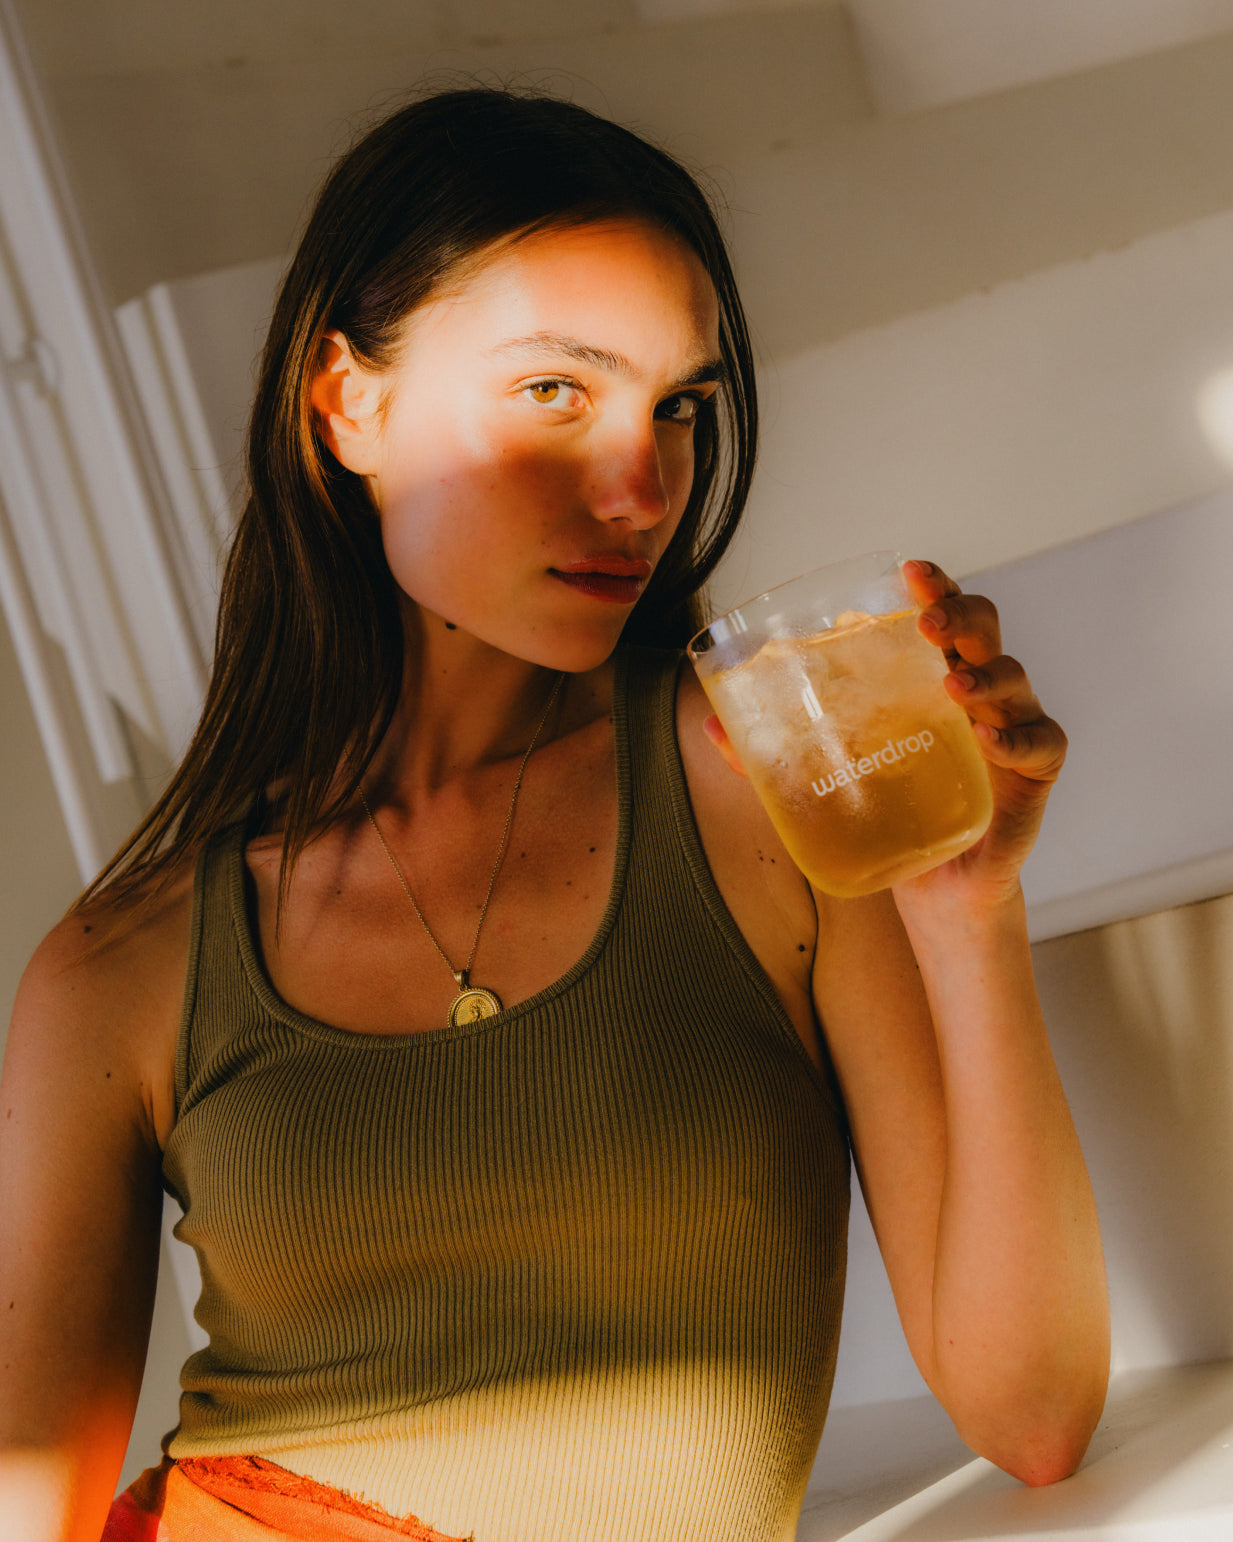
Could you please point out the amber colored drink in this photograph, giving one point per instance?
(869, 771)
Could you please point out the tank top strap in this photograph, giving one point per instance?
(654, 800)
(646, 698)
(668, 870)
(217, 991)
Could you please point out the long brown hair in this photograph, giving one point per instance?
(308, 662)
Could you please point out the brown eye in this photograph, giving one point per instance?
(545, 391)
(680, 409)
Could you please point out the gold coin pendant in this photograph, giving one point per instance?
(472, 1004)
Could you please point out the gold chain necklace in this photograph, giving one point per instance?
(472, 1001)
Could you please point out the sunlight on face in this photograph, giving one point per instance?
(536, 451)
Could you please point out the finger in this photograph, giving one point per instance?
(718, 736)
(999, 693)
(1034, 750)
(926, 582)
(964, 626)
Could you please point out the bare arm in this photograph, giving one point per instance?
(973, 1176)
(81, 1101)
(968, 1157)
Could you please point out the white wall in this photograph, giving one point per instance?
(1003, 423)
(1143, 1017)
(38, 876)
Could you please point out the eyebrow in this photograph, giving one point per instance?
(604, 358)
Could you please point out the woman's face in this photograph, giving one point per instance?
(534, 454)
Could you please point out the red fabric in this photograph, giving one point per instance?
(134, 1516)
(247, 1499)
(127, 1522)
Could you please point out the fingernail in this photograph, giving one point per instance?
(935, 616)
(966, 680)
(988, 731)
(924, 568)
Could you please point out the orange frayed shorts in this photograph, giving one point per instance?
(247, 1499)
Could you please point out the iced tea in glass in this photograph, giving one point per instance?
(835, 705)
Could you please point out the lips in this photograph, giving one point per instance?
(617, 579)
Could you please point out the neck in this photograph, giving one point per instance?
(464, 705)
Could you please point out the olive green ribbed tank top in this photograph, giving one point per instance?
(569, 1274)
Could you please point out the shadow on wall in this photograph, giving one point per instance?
(1142, 1019)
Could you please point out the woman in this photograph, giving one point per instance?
(503, 1063)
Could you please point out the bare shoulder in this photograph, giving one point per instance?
(764, 890)
(101, 997)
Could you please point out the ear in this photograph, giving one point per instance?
(345, 398)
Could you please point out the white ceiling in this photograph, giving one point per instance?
(923, 53)
(926, 53)
(918, 53)
(677, 10)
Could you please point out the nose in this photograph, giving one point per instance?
(627, 480)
